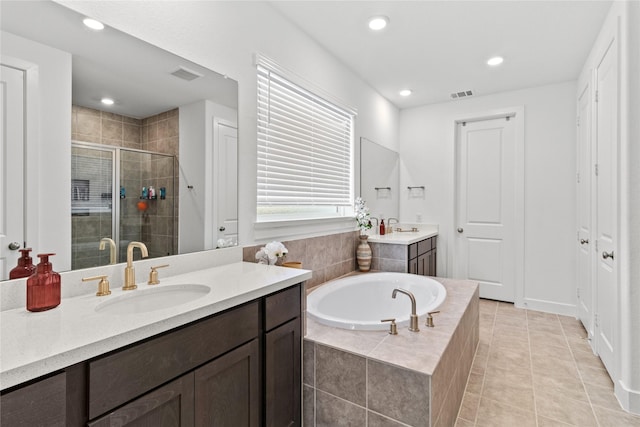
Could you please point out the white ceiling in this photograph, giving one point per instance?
(435, 48)
(113, 64)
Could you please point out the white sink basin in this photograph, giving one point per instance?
(146, 300)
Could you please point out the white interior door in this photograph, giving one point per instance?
(227, 182)
(606, 209)
(485, 247)
(584, 239)
(11, 167)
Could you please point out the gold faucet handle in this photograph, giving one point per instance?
(153, 274)
(103, 286)
(429, 323)
(393, 328)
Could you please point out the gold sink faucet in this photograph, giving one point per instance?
(413, 322)
(130, 272)
(112, 248)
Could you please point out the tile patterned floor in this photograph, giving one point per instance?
(536, 369)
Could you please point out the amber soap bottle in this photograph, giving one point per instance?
(25, 266)
(43, 288)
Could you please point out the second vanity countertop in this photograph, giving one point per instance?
(36, 344)
(406, 237)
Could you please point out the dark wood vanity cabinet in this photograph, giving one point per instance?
(42, 403)
(241, 367)
(422, 257)
(283, 373)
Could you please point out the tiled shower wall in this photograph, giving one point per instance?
(328, 257)
(157, 227)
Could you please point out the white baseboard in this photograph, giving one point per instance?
(549, 307)
(629, 399)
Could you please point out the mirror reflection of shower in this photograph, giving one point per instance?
(121, 194)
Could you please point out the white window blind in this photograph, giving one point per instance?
(304, 146)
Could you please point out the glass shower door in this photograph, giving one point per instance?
(92, 210)
(147, 212)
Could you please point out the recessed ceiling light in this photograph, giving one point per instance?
(405, 92)
(93, 24)
(107, 101)
(377, 23)
(496, 60)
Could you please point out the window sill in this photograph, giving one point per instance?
(291, 229)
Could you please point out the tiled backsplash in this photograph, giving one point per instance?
(329, 256)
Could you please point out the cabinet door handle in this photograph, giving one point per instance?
(606, 255)
(460, 229)
(584, 241)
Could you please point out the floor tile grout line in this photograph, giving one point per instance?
(573, 356)
(533, 388)
(484, 374)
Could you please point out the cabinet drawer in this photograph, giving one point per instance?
(424, 246)
(282, 306)
(122, 376)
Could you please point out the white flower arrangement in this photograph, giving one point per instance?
(363, 217)
(271, 252)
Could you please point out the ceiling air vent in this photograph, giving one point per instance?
(463, 94)
(186, 74)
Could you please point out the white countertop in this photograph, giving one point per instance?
(36, 344)
(406, 237)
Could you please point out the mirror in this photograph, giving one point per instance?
(159, 165)
(379, 179)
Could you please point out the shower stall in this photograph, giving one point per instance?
(124, 195)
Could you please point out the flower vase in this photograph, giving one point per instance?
(363, 253)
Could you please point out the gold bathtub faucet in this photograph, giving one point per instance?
(129, 271)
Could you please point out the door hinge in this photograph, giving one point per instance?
(596, 246)
(578, 121)
(578, 292)
(595, 319)
(578, 178)
(596, 169)
(596, 96)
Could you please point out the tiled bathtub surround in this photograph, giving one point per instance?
(358, 378)
(389, 257)
(329, 256)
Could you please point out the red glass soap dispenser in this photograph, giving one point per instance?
(43, 288)
(25, 266)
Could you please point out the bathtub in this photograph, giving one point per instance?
(359, 302)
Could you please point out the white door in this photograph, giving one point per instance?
(606, 209)
(227, 182)
(485, 247)
(584, 239)
(11, 167)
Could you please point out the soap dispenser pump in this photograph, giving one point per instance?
(43, 288)
(25, 267)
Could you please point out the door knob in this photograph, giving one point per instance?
(606, 255)
(460, 229)
(222, 228)
(584, 241)
(14, 246)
